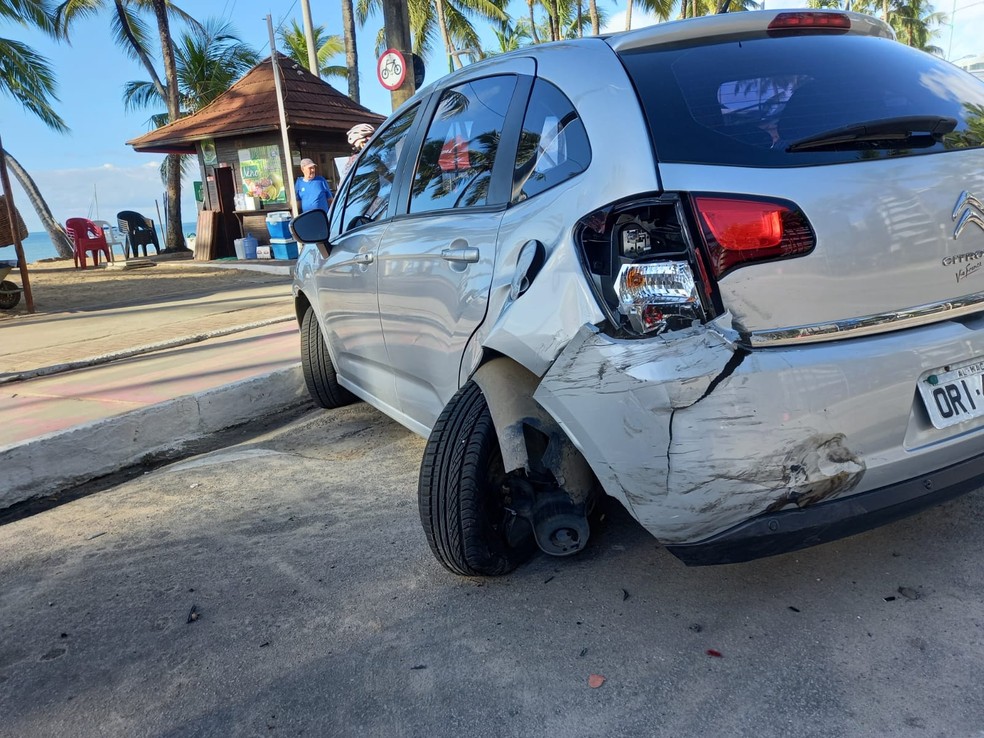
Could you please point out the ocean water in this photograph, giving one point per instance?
(38, 246)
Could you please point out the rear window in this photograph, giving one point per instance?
(744, 102)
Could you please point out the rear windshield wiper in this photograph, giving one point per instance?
(912, 131)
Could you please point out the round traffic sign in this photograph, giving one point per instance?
(391, 69)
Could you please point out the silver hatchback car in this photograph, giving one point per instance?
(728, 271)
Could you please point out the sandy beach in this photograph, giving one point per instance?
(57, 286)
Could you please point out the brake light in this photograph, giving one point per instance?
(739, 231)
(810, 21)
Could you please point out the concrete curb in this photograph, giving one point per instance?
(95, 449)
(45, 371)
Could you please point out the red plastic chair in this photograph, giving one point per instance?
(87, 236)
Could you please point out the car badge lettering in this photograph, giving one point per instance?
(969, 210)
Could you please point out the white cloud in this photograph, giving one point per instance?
(640, 19)
(108, 187)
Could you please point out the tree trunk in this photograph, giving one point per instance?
(55, 231)
(173, 238)
(593, 12)
(628, 15)
(351, 53)
(445, 36)
(533, 33)
(139, 50)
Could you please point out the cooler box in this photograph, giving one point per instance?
(277, 224)
(283, 248)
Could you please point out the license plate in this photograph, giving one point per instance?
(954, 395)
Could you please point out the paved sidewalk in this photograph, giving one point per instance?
(88, 392)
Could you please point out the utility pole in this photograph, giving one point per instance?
(286, 158)
(309, 36)
(396, 22)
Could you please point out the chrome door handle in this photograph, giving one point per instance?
(367, 258)
(466, 255)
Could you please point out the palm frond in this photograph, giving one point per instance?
(27, 77)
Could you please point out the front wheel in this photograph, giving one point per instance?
(462, 493)
(319, 372)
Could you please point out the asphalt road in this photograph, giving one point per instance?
(282, 586)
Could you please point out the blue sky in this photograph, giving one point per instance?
(92, 71)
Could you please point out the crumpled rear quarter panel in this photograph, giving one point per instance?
(693, 445)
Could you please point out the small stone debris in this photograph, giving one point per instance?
(794, 609)
(695, 628)
(625, 595)
(264, 644)
(584, 652)
(909, 593)
(193, 614)
(548, 579)
(715, 653)
(418, 667)
(890, 598)
(96, 535)
(595, 680)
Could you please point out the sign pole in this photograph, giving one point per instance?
(288, 162)
(396, 22)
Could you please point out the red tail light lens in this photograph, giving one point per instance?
(807, 21)
(739, 231)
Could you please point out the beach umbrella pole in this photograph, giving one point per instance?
(14, 230)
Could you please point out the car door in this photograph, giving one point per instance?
(435, 262)
(346, 279)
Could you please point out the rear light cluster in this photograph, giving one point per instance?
(652, 272)
(739, 231)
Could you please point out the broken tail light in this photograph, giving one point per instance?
(738, 230)
(643, 266)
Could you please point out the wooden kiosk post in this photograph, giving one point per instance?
(14, 230)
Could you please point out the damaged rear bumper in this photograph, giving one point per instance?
(791, 530)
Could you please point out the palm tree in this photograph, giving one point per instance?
(209, 58)
(327, 47)
(27, 77)
(915, 24)
(512, 36)
(447, 18)
(659, 8)
(351, 53)
(132, 34)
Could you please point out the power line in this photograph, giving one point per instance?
(279, 26)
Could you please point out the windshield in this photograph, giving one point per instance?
(745, 102)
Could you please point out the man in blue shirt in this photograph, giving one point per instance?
(313, 192)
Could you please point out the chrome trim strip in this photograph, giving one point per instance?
(868, 324)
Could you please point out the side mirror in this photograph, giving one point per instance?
(310, 227)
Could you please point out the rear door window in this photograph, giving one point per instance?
(745, 103)
(455, 165)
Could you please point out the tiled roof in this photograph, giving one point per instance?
(250, 106)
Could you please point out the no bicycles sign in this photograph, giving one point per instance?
(391, 69)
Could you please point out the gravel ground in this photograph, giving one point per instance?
(282, 586)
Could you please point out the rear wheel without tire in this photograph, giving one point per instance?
(9, 295)
(319, 372)
(462, 493)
